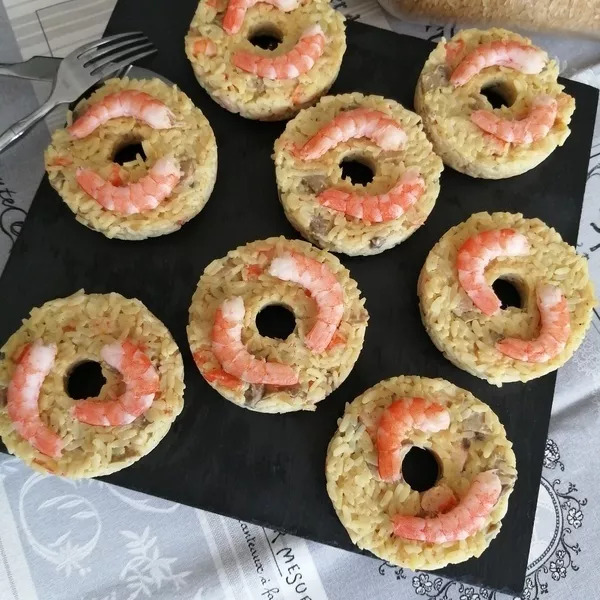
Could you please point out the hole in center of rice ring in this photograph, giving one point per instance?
(48, 422)
(276, 372)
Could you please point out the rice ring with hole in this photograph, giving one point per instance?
(465, 335)
(447, 110)
(244, 273)
(80, 326)
(301, 182)
(190, 142)
(474, 442)
(211, 51)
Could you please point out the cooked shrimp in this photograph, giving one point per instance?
(145, 194)
(202, 358)
(465, 519)
(400, 417)
(298, 94)
(126, 103)
(141, 386)
(204, 46)
(554, 329)
(115, 175)
(62, 161)
(438, 499)
(357, 123)
(379, 208)
(324, 289)
(227, 346)
(515, 55)
(236, 11)
(476, 254)
(453, 50)
(23, 392)
(299, 60)
(535, 125)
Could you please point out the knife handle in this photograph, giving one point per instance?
(7, 69)
(38, 68)
(14, 132)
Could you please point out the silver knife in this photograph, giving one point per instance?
(41, 68)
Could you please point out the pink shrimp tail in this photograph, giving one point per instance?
(141, 385)
(23, 394)
(379, 208)
(324, 289)
(555, 329)
(234, 15)
(126, 103)
(453, 50)
(145, 194)
(476, 254)
(48, 443)
(534, 126)
(462, 521)
(438, 499)
(299, 60)
(229, 350)
(236, 11)
(357, 123)
(400, 417)
(512, 54)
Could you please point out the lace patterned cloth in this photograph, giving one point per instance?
(61, 540)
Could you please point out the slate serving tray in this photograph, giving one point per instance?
(268, 469)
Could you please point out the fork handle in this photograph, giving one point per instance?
(14, 132)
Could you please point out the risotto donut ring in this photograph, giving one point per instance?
(449, 523)
(328, 209)
(267, 374)
(462, 313)
(143, 391)
(258, 83)
(449, 97)
(140, 198)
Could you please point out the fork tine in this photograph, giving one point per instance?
(102, 42)
(109, 58)
(93, 56)
(111, 67)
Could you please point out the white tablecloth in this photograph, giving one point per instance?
(63, 540)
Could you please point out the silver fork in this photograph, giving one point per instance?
(82, 69)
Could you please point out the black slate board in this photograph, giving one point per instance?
(269, 469)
